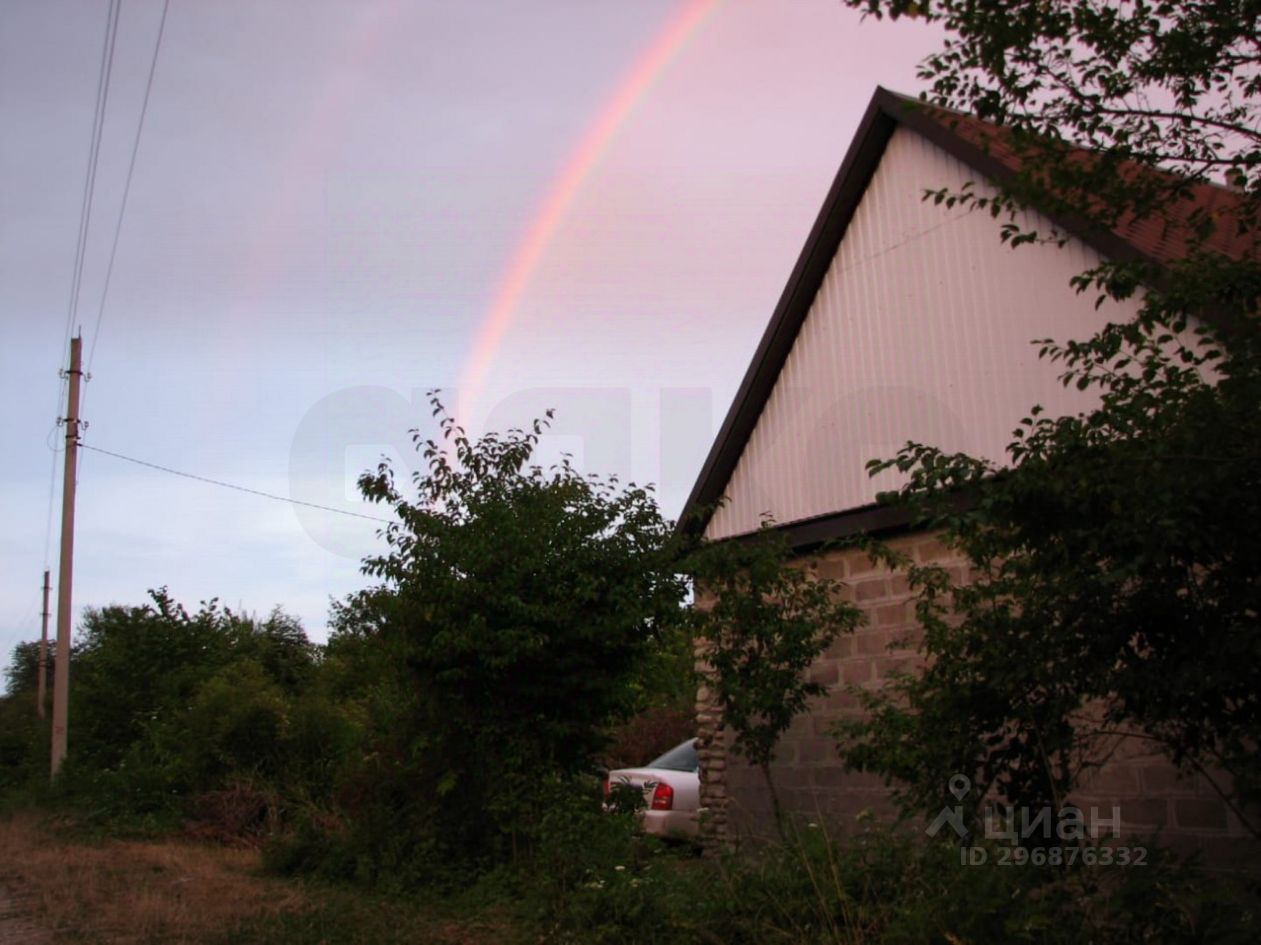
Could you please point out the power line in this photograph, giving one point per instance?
(131, 169)
(85, 218)
(94, 153)
(229, 485)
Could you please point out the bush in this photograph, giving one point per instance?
(594, 877)
(518, 607)
(241, 814)
(880, 887)
(24, 743)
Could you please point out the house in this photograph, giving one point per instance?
(906, 319)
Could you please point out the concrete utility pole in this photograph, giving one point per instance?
(41, 690)
(65, 577)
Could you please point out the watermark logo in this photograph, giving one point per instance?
(953, 816)
(1044, 836)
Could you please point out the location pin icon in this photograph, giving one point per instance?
(959, 786)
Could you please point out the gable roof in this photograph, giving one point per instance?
(979, 145)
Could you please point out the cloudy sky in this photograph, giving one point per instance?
(584, 204)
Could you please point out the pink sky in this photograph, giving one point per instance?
(330, 202)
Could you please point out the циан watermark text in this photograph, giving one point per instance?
(1041, 836)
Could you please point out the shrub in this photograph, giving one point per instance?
(880, 887)
(24, 740)
(517, 606)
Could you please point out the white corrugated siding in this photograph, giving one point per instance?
(920, 331)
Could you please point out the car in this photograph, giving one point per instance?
(670, 786)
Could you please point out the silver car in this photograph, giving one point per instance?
(671, 789)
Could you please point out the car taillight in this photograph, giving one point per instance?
(607, 787)
(662, 796)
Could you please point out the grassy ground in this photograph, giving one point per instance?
(62, 888)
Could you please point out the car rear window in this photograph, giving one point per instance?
(679, 758)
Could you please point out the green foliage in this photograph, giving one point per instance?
(24, 736)
(167, 706)
(22, 673)
(1121, 116)
(764, 619)
(591, 875)
(890, 888)
(876, 886)
(1113, 558)
(1114, 585)
(1161, 84)
(133, 666)
(236, 723)
(24, 740)
(517, 607)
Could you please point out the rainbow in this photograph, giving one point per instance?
(529, 250)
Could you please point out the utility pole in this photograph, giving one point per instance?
(42, 685)
(65, 577)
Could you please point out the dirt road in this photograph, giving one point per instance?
(16, 925)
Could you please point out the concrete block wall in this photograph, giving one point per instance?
(1184, 813)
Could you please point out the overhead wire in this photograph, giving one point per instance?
(233, 486)
(102, 99)
(94, 153)
(104, 75)
(131, 170)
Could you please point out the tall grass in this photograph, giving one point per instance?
(875, 886)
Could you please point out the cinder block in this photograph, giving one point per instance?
(813, 751)
(887, 666)
(1166, 780)
(840, 648)
(825, 672)
(907, 640)
(872, 589)
(835, 776)
(835, 702)
(1118, 780)
(833, 568)
(893, 615)
(932, 551)
(871, 642)
(1145, 812)
(1200, 814)
(857, 671)
(859, 564)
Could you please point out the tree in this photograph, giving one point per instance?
(22, 673)
(763, 620)
(517, 603)
(1119, 114)
(1115, 561)
(1165, 84)
(134, 668)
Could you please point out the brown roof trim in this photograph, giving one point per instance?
(814, 534)
(881, 520)
(884, 113)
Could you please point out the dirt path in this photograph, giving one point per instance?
(16, 926)
(173, 892)
(128, 891)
